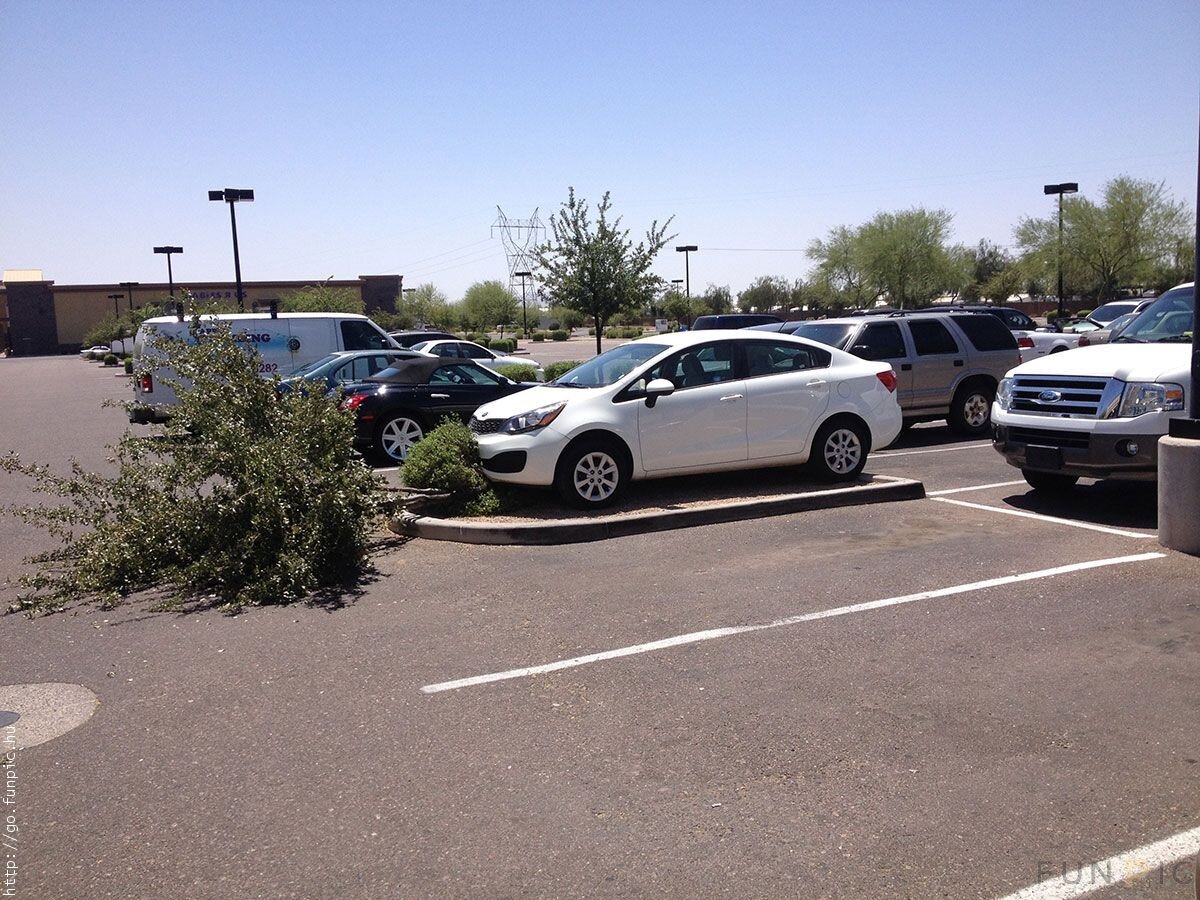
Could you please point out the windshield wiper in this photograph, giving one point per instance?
(1174, 339)
(570, 384)
(1131, 340)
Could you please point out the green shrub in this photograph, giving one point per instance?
(517, 372)
(1052, 315)
(129, 365)
(110, 359)
(249, 497)
(554, 326)
(1084, 313)
(448, 460)
(560, 335)
(555, 369)
(538, 337)
(508, 345)
(591, 332)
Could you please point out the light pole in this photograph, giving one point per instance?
(129, 286)
(115, 298)
(1067, 187)
(524, 313)
(232, 196)
(686, 250)
(170, 276)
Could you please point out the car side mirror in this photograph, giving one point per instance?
(659, 387)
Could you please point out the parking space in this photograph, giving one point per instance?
(959, 696)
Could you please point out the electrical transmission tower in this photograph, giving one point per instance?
(521, 238)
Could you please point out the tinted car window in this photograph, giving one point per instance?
(986, 332)
(931, 337)
(1018, 320)
(463, 373)
(881, 340)
(824, 333)
(470, 351)
(696, 366)
(359, 335)
(769, 358)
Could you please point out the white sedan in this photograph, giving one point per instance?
(677, 404)
(477, 352)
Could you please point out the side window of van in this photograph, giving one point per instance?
(360, 335)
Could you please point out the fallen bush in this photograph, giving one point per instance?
(447, 460)
(248, 498)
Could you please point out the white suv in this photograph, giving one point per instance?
(1099, 412)
(677, 404)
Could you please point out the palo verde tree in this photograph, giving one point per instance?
(592, 266)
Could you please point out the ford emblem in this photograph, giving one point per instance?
(1049, 397)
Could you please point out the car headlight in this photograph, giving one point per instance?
(1004, 393)
(1141, 397)
(532, 420)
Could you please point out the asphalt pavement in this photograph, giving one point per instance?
(961, 696)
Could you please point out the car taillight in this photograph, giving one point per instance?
(353, 402)
(147, 384)
(1025, 342)
(887, 379)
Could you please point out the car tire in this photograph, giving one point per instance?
(1049, 482)
(396, 436)
(971, 409)
(839, 451)
(591, 474)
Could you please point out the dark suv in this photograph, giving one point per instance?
(732, 320)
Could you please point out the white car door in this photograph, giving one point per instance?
(787, 391)
(704, 422)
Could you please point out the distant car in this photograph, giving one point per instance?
(99, 348)
(336, 370)
(676, 404)
(456, 349)
(1102, 315)
(732, 320)
(400, 405)
(1114, 329)
(407, 338)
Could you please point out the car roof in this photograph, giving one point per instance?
(689, 338)
(415, 369)
(233, 317)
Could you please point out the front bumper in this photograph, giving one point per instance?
(1087, 454)
(529, 459)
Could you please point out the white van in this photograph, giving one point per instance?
(284, 342)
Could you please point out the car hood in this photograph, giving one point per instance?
(1127, 362)
(524, 401)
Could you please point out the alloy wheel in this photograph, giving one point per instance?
(976, 410)
(596, 476)
(399, 436)
(843, 451)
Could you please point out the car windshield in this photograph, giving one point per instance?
(1110, 311)
(1168, 320)
(313, 366)
(610, 367)
(827, 333)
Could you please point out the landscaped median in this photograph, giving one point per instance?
(662, 505)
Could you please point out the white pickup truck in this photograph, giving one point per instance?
(1098, 412)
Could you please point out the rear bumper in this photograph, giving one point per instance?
(1088, 454)
(147, 415)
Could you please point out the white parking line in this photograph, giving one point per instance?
(1055, 520)
(978, 487)
(714, 633)
(888, 455)
(1151, 860)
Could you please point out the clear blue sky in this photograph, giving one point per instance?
(380, 137)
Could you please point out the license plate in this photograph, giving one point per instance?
(1043, 457)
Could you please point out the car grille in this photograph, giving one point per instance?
(485, 426)
(1086, 398)
(1075, 440)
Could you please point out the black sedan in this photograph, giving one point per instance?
(397, 407)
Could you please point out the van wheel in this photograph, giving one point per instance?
(839, 451)
(971, 409)
(397, 436)
(1049, 482)
(591, 474)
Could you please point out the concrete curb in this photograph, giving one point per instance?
(885, 489)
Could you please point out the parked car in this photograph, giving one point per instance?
(1113, 329)
(407, 338)
(732, 320)
(284, 342)
(456, 349)
(947, 363)
(1103, 315)
(1099, 413)
(99, 350)
(397, 407)
(690, 402)
(333, 372)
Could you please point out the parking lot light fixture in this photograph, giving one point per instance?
(233, 196)
(687, 250)
(1067, 187)
(170, 275)
(129, 286)
(116, 298)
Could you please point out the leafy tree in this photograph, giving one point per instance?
(839, 268)
(906, 258)
(716, 300)
(567, 317)
(765, 294)
(488, 304)
(423, 304)
(322, 298)
(593, 266)
(1134, 232)
(675, 305)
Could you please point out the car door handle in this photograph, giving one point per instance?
(958, 363)
(439, 396)
(906, 367)
(817, 383)
(732, 397)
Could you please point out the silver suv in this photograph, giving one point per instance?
(948, 363)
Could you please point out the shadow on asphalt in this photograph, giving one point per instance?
(931, 435)
(1114, 503)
